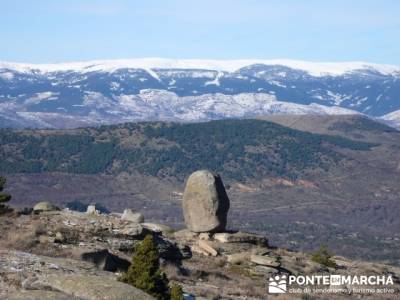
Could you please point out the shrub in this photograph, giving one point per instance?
(176, 292)
(3, 197)
(144, 272)
(323, 257)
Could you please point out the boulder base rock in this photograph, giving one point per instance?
(241, 237)
(205, 202)
(158, 228)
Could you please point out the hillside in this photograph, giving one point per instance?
(300, 188)
(240, 150)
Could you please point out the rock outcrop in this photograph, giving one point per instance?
(91, 287)
(91, 210)
(44, 206)
(131, 216)
(205, 202)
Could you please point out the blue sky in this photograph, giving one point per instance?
(56, 31)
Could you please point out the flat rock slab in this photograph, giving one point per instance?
(207, 247)
(238, 258)
(158, 228)
(38, 295)
(95, 288)
(241, 237)
(264, 261)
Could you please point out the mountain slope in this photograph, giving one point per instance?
(392, 119)
(301, 189)
(239, 149)
(107, 92)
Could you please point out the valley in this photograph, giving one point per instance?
(344, 189)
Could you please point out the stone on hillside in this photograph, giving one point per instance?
(132, 230)
(238, 258)
(241, 237)
(106, 261)
(207, 247)
(264, 261)
(59, 238)
(205, 202)
(168, 250)
(185, 235)
(91, 210)
(44, 206)
(158, 228)
(197, 249)
(204, 236)
(92, 287)
(264, 270)
(131, 216)
(37, 295)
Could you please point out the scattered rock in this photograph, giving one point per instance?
(204, 236)
(44, 239)
(264, 261)
(131, 216)
(264, 270)
(37, 295)
(106, 261)
(122, 244)
(95, 287)
(158, 228)
(241, 237)
(168, 250)
(91, 210)
(132, 230)
(205, 202)
(44, 206)
(185, 251)
(185, 235)
(238, 258)
(197, 249)
(59, 238)
(207, 247)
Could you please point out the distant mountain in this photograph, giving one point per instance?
(392, 119)
(107, 92)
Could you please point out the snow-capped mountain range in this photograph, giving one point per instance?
(106, 92)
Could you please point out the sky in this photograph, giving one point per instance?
(50, 31)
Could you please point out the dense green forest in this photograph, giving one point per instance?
(238, 149)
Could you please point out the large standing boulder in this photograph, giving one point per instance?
(205, 202)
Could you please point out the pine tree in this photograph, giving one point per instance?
(144, 272)
(176, 292)
(3, 197)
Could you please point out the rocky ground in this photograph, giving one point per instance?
(72, 255)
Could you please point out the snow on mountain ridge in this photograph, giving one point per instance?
(149, 64)
(392, 119)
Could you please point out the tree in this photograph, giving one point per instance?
(3, 197)
(144, 272)
(176, 292)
